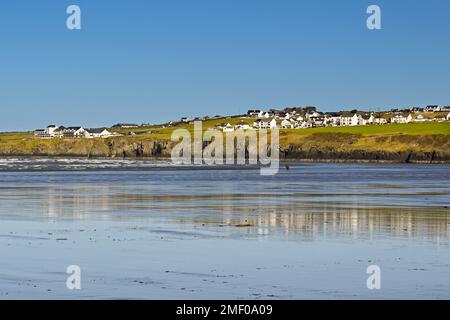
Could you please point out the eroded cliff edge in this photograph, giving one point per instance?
(314, 147)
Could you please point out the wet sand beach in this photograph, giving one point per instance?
(149, 230)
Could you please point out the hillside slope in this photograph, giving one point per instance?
(424, 142)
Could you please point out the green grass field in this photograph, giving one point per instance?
(426, 128)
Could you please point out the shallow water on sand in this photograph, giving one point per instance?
(151, 230)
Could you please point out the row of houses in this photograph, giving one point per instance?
(313, 118)
(357, 119)
(256, 113)
(289, 118)
(435, 108)
(53, 131)
(316, 119)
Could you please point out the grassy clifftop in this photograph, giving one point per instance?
(429, 142)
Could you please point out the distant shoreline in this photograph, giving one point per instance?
(400, 143)
(282, 160)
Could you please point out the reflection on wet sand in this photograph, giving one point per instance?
(308, 216)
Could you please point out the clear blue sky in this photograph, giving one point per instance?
(156, 60)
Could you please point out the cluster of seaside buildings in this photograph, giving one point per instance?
(53, 131)
(289, 118)
(298, 118)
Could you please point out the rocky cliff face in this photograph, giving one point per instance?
(402, 148)
(351, 147)
(362, 155)
(138, 149)
(105, 148)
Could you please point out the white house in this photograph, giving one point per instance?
(305, 125)
(242, 126)
(80, 133)
(273, 124)
(331, 120)
(100, 133)
(346, 121)
(364, 120)
(228, 128)
(319, 121)
(300, 119)
(448, 117)
(398, 119)
(294, 123)
(312, 115)
(51, 131)
(432, 109)
(355, 120)
(420, 118)
(75, 132)
(401, 119)
(253, 113)
(286, 124)
(263, 124)
(375, 120)
(257, 124)
(39, 133)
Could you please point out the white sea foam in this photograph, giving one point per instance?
(62, 164)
